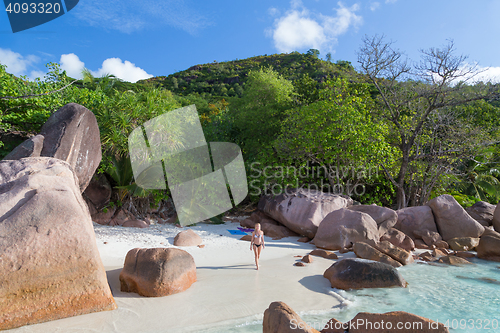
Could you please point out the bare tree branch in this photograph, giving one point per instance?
(389, 175)
(37, 95)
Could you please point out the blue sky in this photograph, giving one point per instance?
(143, 38)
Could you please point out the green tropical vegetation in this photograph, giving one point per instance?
(392, 133)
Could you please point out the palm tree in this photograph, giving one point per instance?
(482, 177)
(484, 185)
(105, 83)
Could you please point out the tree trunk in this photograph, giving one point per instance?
(401, 198)
(401, 195)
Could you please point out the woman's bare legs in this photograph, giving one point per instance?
(257, 250)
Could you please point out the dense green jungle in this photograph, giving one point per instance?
(386, 130)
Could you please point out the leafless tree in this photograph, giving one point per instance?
(417, 98)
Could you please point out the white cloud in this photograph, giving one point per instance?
(124, 70)
(487, 74)
(300, 29)
(390, 1)
(15, 62)
(297, 31)
(338, 25)
(374, 6)
(72, 65)
(131, 15)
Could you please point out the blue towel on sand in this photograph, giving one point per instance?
(246, 229)
(236, 232)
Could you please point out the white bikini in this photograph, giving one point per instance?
(257, 236)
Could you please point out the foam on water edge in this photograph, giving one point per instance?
(465, 297)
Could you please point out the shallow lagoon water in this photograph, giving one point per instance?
(466, 298)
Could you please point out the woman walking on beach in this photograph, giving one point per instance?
(257, 243)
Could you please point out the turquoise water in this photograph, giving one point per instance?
(467, 298)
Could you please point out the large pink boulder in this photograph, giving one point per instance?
(414, 219)
(386, 218)
(482, 212)
(365, 322)
(134, 223)
(453, 261)
(430, 238)
(50, 267)
(495, 222)
(452, 220)
(396, 253)
(323, 254)
(70, 134)
(157, 272)
(366, 251)
(399, 238)
(187, 238)
(275, 230)
(122, 217)
(489, 246)
(280, 318)
(98, 193)
(302, 210)
(269, 226)
(256, 217)
(344, 227)
(105, 216)
(32, 147)
(463, 243)
(361, 273)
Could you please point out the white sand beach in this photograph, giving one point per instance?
(228, 286)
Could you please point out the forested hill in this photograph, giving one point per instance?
(423, 137)
(226, 79)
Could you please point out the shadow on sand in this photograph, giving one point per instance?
(242, 266)
(316, 283)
